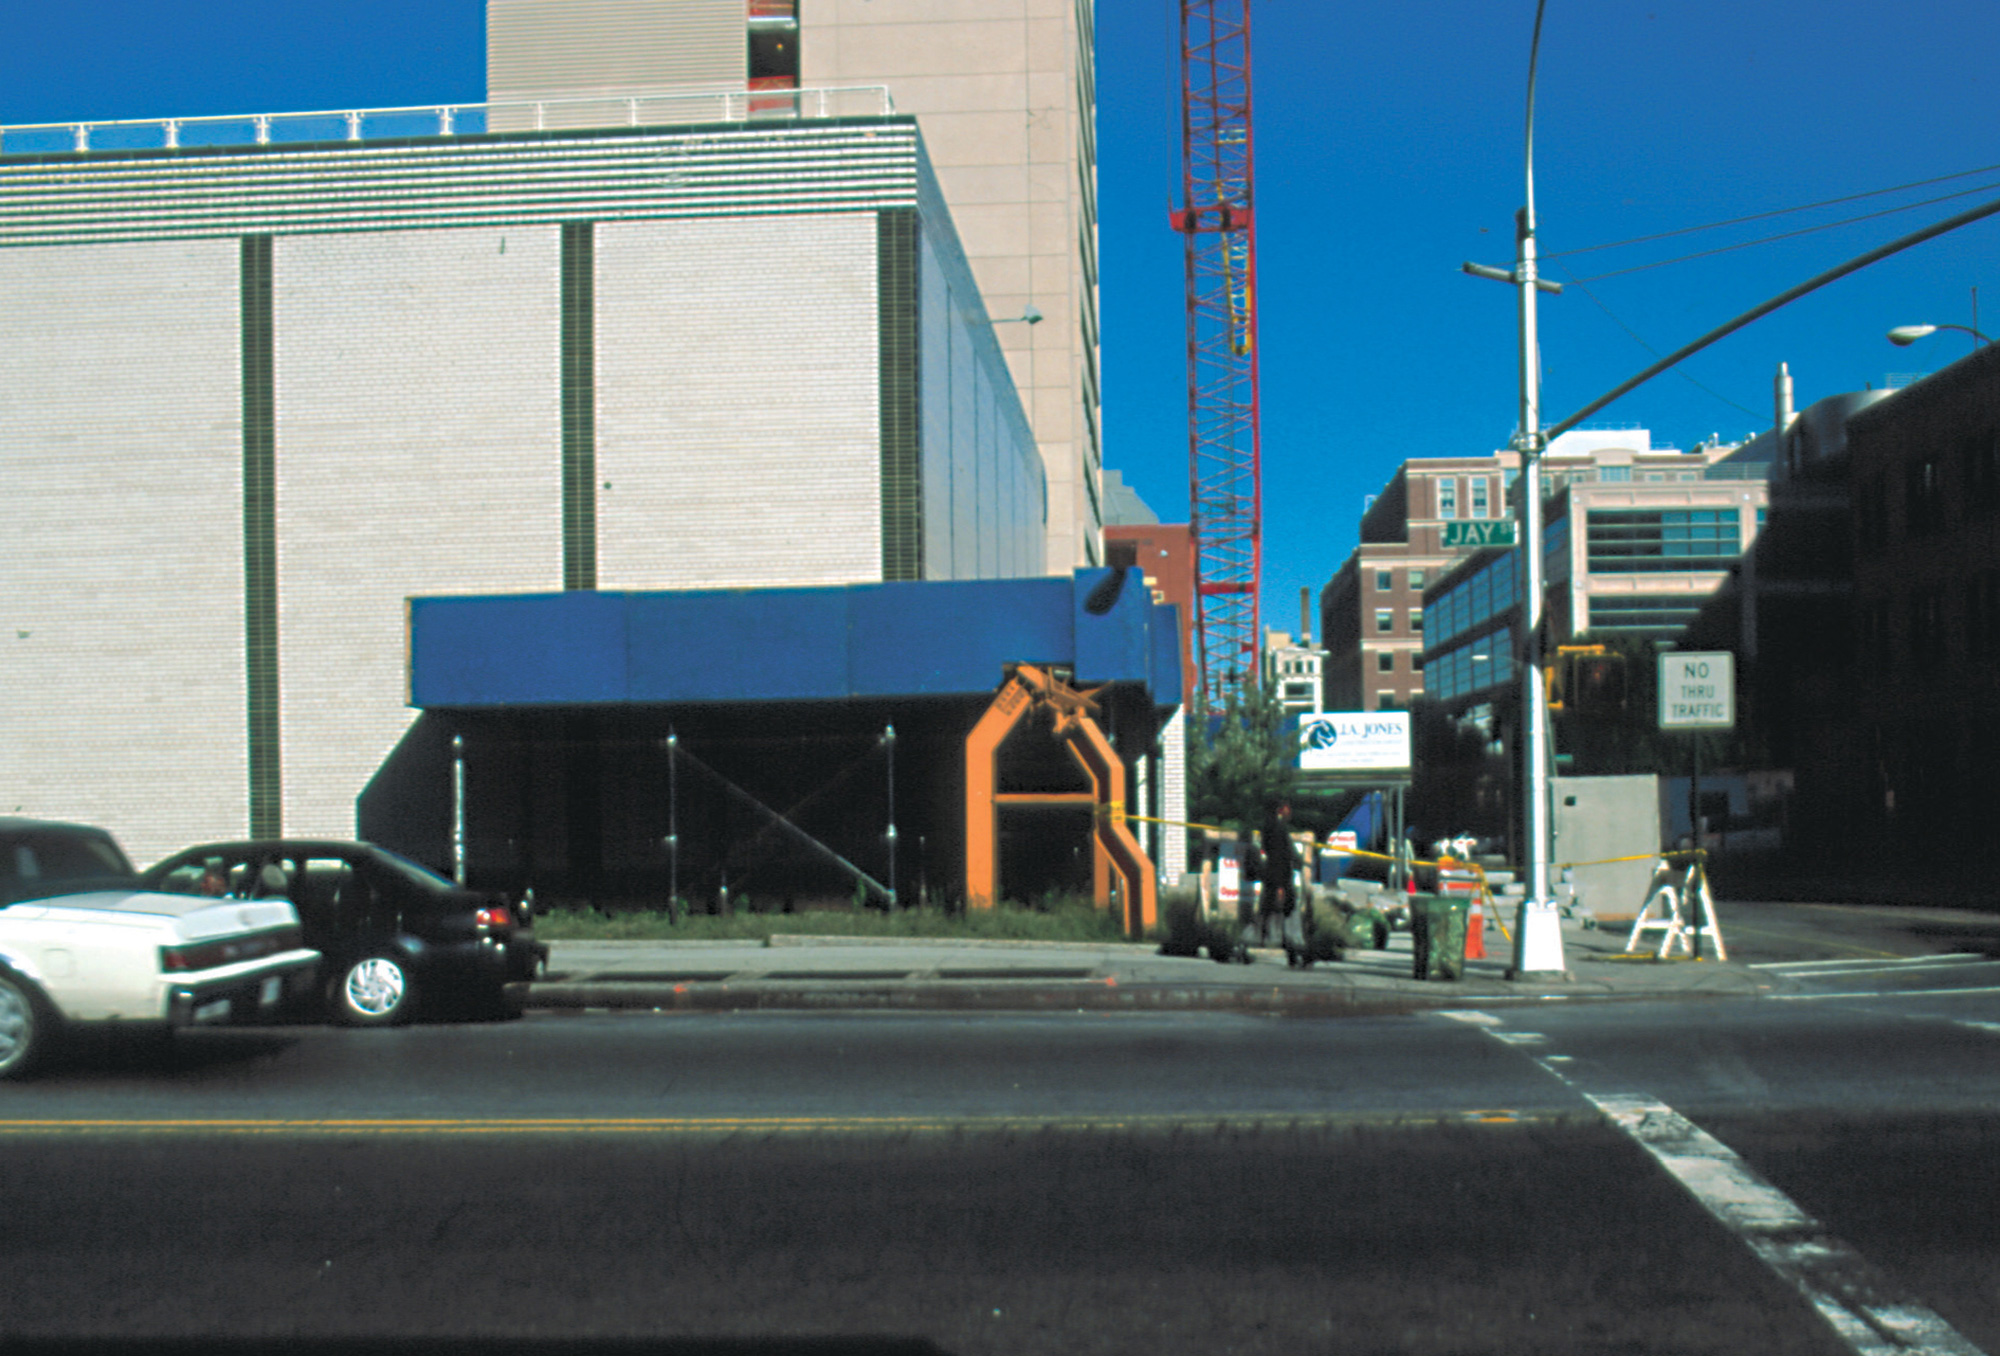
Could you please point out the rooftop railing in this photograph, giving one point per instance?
(665, 108)
(1655, 475)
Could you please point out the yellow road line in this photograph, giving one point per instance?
(760, 1125)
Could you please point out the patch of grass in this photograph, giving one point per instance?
(1056, 919)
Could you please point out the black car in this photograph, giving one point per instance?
(392, 932)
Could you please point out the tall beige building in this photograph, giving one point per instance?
(1004, 93)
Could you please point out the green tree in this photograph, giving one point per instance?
(1240, 760)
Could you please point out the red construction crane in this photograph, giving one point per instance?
(1217, 221)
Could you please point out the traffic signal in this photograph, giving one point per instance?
(1595, 683)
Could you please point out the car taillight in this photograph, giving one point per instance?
(495, 916)
(227, 951)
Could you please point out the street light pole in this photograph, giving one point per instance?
(1538, 948)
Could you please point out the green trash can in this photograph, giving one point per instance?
(1437, 936)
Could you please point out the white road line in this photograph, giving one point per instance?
(1872, 963)
(1876, 993)
(1993, 1027)
(1856, 1298)
(1853, 1295)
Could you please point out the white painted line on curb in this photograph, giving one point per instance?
(1850, 1293)
(1993, 1027)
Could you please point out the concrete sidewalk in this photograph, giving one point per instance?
(852, 973)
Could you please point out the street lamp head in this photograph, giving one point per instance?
(1905, 335)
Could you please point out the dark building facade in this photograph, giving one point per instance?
(1786, 613)
(1924, 719)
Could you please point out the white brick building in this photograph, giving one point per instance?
(259, 396)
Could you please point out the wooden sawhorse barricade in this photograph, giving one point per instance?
(1679, 905)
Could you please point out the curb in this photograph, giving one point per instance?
(780, 939)
(1093, 995)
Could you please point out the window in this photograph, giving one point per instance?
(1923, 500)
(1614, 473)
(1627, 541)
(1416, 579)
(1385, 621)
(1477, 484)
(1875, 631)
(1555, 549)
(1384, 580)
(1385, 701)
(1298, 692)
(1417, 620)
(1873, 515)
(774, 44)
(1122, 554)
(1927, 626)
(1447, 492)
(1982, 615)
(1981, 457)
(1416, 661)
(1658, 617)
(1385, 661)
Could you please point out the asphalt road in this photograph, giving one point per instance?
(1687, 1176)
(1767, 933)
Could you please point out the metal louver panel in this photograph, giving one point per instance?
(832, 166)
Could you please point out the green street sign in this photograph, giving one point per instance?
(1485, 532)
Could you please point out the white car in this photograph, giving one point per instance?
(80, 942)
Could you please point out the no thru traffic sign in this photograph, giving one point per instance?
(1698, 690)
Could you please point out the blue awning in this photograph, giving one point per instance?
(873, 641)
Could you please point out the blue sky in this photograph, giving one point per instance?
(1388, 151)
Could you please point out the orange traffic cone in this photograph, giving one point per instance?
(1475, 931)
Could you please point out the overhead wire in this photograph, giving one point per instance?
(1788, 235)
(1775, 212)
(1583, 284)
(1638, 339)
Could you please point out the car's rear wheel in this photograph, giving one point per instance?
(27, 1028)
(373, 991)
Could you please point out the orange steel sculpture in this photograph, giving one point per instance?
(1113, 848)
